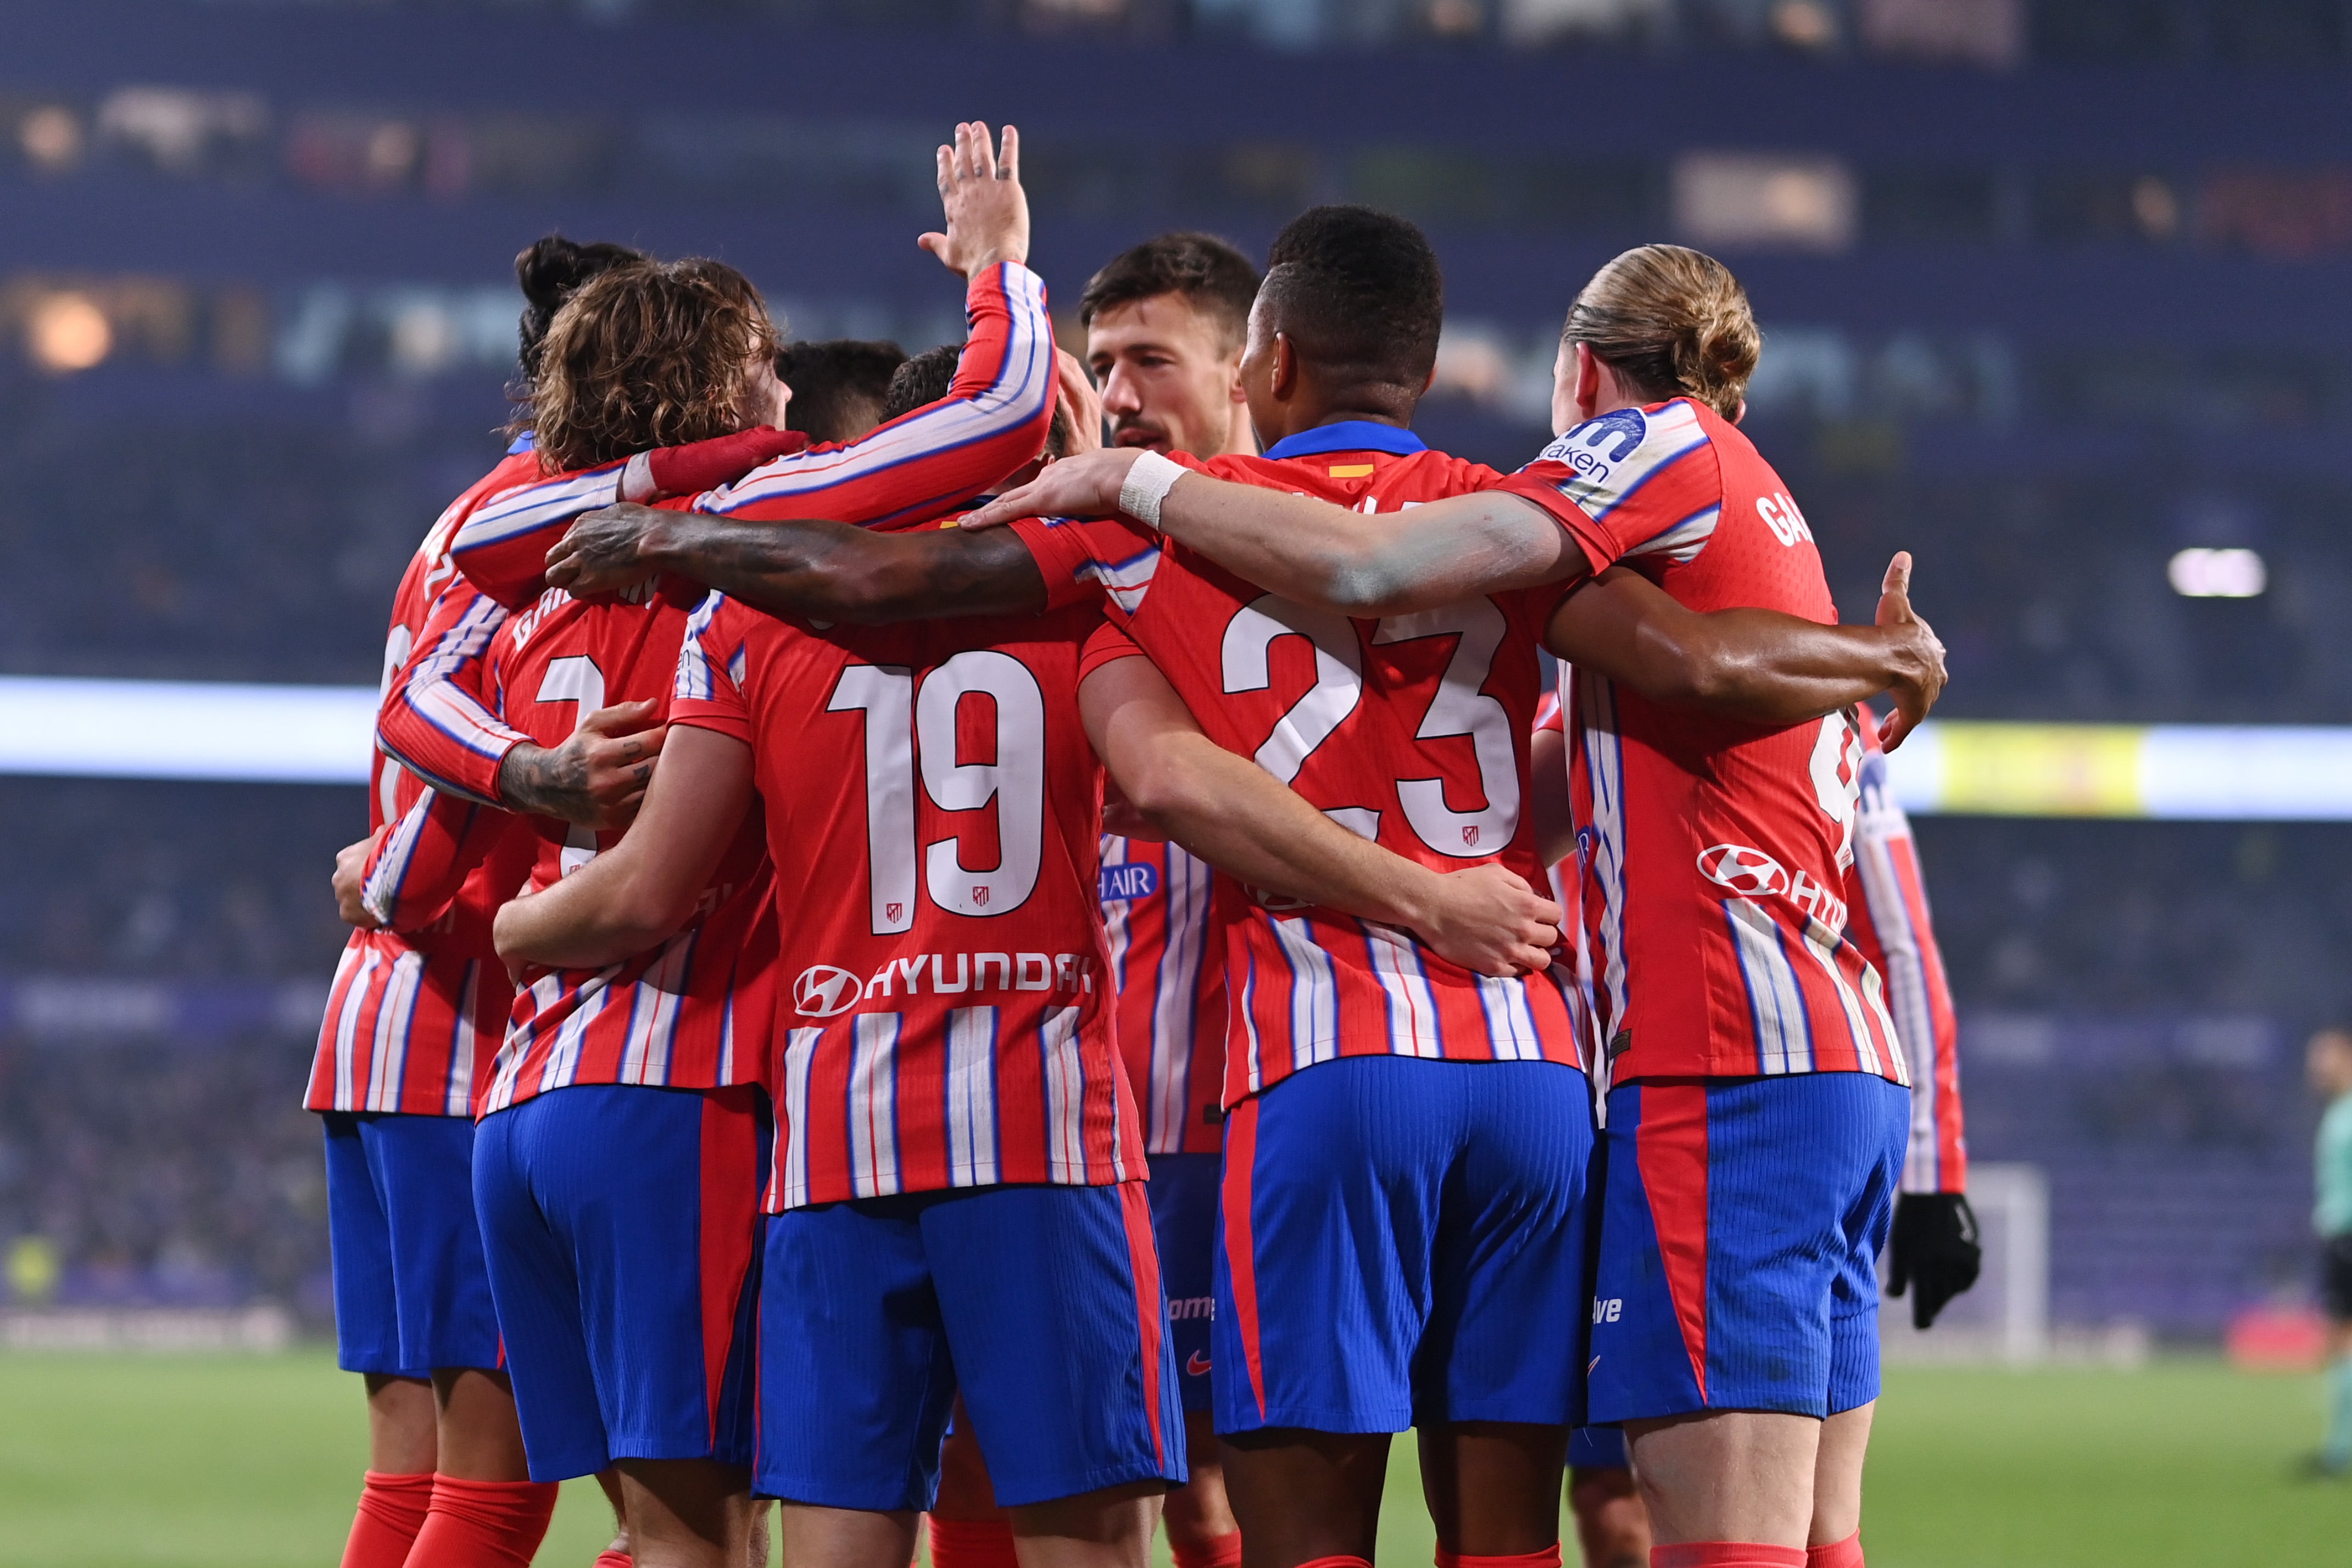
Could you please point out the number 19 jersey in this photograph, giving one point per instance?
(944, 1014)
(1412, 730)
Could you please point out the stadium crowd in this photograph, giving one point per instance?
(1995, 34)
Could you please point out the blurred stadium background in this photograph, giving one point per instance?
(2055, 298)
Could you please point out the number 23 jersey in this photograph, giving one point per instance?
(943, 1016)
(1412, 730)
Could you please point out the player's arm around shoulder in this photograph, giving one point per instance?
(816, 570)
(1312, 551)
(1760, 665)
(1240, 819)
(642, 890)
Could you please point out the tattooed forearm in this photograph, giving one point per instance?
(542, 779)
(828, 571)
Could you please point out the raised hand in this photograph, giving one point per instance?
(1085, 485)
(987, 210)
(1488, 920)
(1919, 650)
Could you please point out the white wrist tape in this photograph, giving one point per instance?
(637, 479)
(1147, 484)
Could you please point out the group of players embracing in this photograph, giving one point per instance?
(1071, 1031)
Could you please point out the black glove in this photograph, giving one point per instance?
(1935, 1244)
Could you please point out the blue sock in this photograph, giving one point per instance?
(2337, 1448)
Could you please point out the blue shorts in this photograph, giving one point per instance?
(1184, 1192)
(1598, 1449)
(1042, 1305)
(1741, 1222)
(624, 1223)
(411, 1291)
(1404, 1244)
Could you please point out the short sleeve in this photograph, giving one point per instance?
(1109, 645)
(709, 692)
(1633, 481)
(1082, 558)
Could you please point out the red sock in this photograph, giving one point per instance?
(1222, 1552)
(1337, 1563)
(973, 1544)
(391, 1512)
(1548, 1558)
(612, 1557)
(1726, 1554)
(483, 1524)
(1847, 1553)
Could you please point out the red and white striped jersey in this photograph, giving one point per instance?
(1576, 952)
(1168, 970)
(435, 720)
(933, 806)
(693, 1013)
(1412, 730)
(1892, 925)
(916, 468)
(408, 1008)
(1714, 853)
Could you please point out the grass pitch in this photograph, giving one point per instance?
(146, 1461)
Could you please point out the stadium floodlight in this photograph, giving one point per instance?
(67, 332)
(2218, 574)
(2203, 772)
(186, 730)
(72, 728)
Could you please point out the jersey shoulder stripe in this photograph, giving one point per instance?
(528, 507)
(1125, 580)
(1681, 543)
(1617, 455)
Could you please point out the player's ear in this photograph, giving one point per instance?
(1588, 382)
(1285, 367)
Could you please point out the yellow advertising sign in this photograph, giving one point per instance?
(2042, 769)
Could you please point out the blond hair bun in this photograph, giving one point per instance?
(1672, 321)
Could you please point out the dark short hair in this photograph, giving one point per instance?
(920, 379)
(1213, 277)
(1357, 291)
(926, 378)
(839, 386)
(550, 270)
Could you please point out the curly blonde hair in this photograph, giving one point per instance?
(648, 354)
(1672, 321)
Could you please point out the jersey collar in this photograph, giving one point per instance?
(523, 443)
(1349, 436)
